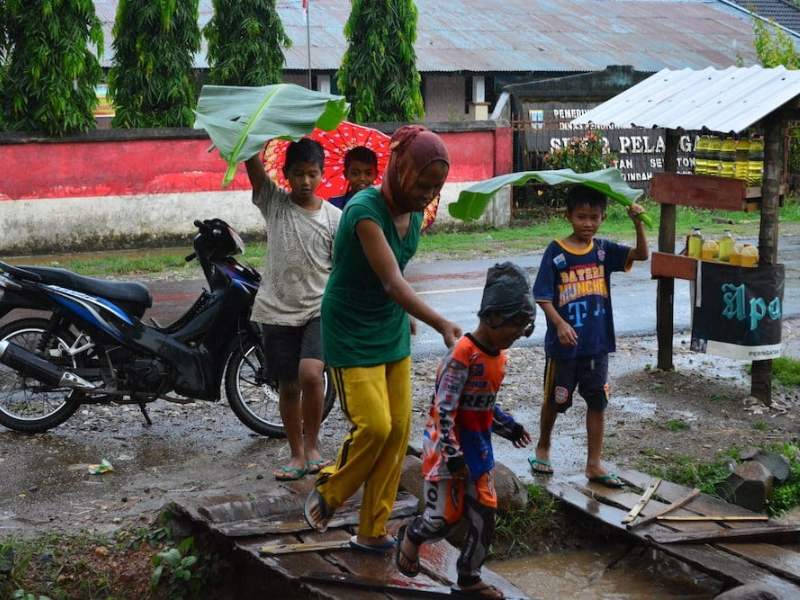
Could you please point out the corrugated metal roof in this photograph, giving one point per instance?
(526, 35)
(730, 100)
(782, 12)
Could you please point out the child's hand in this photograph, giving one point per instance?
(521, 437)
(412, 325)
(450, 333)
(566, 334)
(634, 210)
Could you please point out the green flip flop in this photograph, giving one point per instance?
(287, 473)
(609, 480)
(315, 466)
(540, 467)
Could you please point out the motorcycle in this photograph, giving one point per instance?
(93, 348)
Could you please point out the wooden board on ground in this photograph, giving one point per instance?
(284, 567)
(772, 535)
(438, 592)
(766, 564)
(294, 522)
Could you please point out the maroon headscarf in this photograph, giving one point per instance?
(413, 149)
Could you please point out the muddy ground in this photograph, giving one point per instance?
(203, 449)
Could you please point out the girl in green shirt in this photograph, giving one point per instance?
(366, 333)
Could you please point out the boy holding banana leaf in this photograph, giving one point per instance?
(300, 232)
(573, 287)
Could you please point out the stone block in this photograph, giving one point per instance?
(750, 486)
(775, 464)
(511, 492)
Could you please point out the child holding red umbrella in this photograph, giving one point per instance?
(360, 170)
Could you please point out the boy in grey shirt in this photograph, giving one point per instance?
(300, 230)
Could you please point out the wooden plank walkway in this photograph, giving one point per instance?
(735, 563)
(248, 524)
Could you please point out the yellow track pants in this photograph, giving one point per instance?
(377, 401)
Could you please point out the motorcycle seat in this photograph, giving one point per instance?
(119, 291)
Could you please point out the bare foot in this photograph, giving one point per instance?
(317, 512)
(595, 471)
(407, 556)
(312, 455)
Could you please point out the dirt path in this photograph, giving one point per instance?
(202, 448)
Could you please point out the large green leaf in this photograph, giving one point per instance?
(240, 120)
(473, 200)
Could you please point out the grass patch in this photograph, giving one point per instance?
(706, 475)
(516, 531)
(474, 242)
(761, 425)
(687, 471)
(786, 370)
(787, 496)
(133, 564)
(677, 425)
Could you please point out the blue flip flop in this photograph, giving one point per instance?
(377, 549)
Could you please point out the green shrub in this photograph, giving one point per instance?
(48, 82)
(151, 81)
(378, 73)
(245, 43)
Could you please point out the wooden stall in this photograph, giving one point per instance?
(729, 101)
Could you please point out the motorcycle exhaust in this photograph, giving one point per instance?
(30, 365)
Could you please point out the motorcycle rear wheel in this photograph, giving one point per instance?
(256, 402)
(26, 405)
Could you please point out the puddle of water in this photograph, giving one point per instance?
(583, 575)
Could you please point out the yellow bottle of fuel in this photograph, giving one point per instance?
(695, 244)
(701, 156)
(710, 250)
(749, 256)
(736, 255)
(713, 164)
(755, 163)
(742, 159)
(726, 246)
(727, 157)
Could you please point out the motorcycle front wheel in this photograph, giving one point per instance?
(27, 405)
(254, 400)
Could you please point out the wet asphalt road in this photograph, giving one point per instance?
(454, 289)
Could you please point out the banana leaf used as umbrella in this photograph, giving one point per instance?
(240, 120)
(472, 201)
(336, 144)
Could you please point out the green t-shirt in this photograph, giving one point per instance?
(361, 325)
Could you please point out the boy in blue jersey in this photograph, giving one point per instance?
(573, 287)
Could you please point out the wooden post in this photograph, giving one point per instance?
(774, 126)
(666, 243)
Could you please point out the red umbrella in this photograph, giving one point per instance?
(336, 144)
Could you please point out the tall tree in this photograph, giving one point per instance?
(378, 73)
(151, 79)
(51, 73)
(245, 43)
(4, 47)
(774, 47)
(4, 17)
